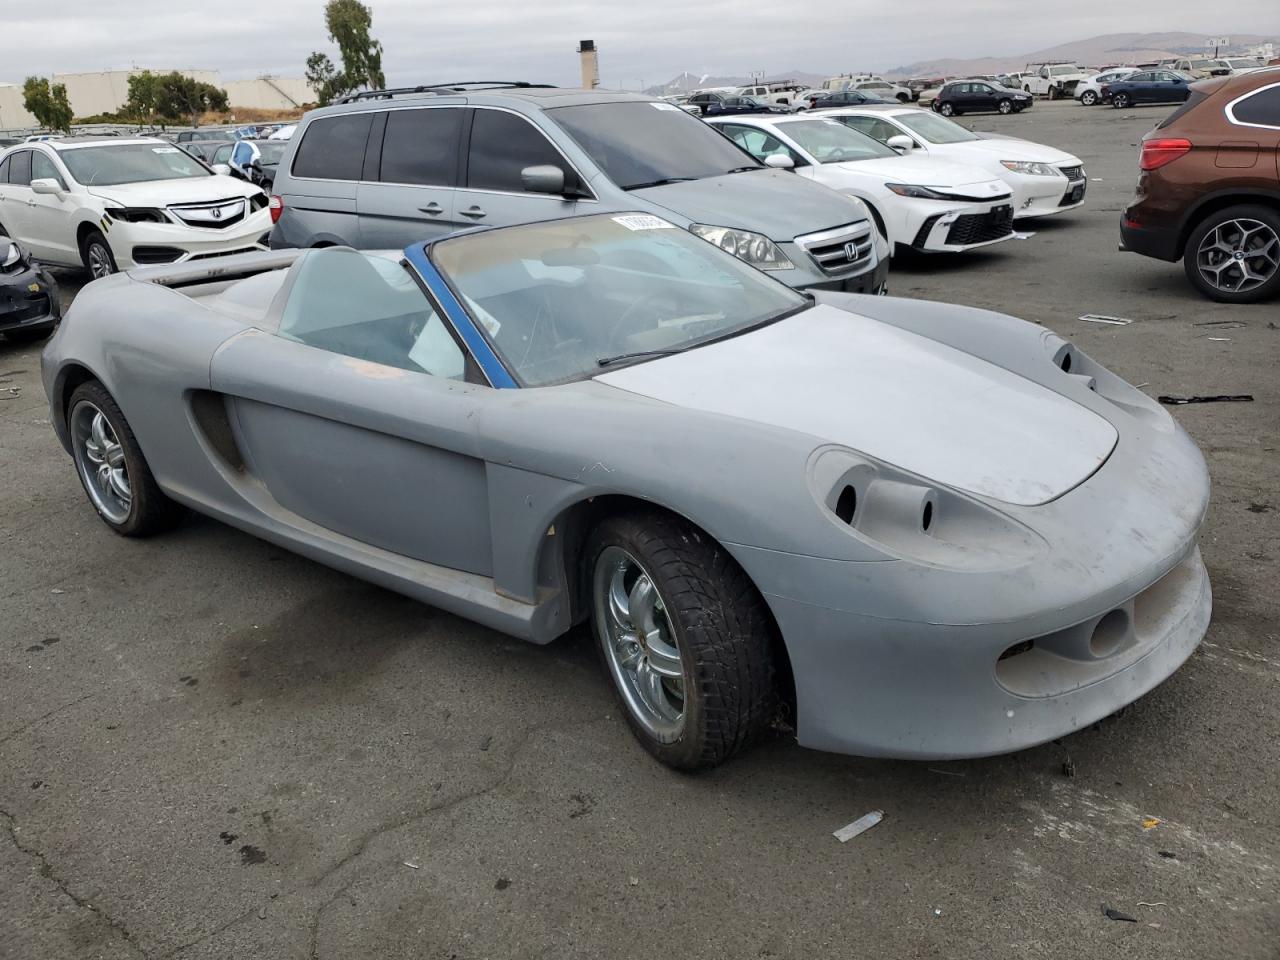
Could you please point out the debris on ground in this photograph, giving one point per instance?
(1168, 854)
(486, 743)
(1214, 398)
(948, 773)
(1150, 823)
(262, 913)
(1228, 324)
(861, 825)
(1104, 318)
(1023, 236)
(1158, 903)
(1220, 339)
(412, 866)
(1111, 914)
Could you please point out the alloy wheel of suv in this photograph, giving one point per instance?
(1234, 255)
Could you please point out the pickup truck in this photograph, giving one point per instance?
(1052, 80)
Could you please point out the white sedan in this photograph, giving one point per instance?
(1044, 180)
(918, 202)
(1089, 92)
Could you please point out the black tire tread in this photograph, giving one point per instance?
(152, 511)
(725, 629)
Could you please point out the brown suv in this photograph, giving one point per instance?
(1209, 191)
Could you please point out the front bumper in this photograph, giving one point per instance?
(1046, 196)
(938, 227)
(28, 300)
(807, 275)
(174, 243)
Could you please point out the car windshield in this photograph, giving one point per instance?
(567, 299)
(271, 150)
(131, 163)
(646, 143)
(934, 128)
(830, 141)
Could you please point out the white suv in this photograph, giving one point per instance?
(110, 203)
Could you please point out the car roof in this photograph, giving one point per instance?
(74, 143)
(542, 97)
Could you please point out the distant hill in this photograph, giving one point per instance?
(1105, 50)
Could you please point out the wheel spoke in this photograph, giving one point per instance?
(119, 483)
(649, 683)
(664, 659)
(640, 604)
(98, 431)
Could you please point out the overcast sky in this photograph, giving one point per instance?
(517, 39)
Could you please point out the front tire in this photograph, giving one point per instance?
(1233, 256)
(96, 255)
(112, 470)
(1088, 98)
(1120, 101)
(684, 636)
(1005, 107)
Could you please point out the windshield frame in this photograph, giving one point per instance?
(70, 158)
(499, 355)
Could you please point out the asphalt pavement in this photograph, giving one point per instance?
(211, 748)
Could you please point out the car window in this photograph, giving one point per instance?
(829, 141)
(1261, 108)
(503, 144)
(20, 168)
(369, 308)
(333, 147)
(42, 168)
(4, 170)
(873, 127)
(760, 143)
(421, 146)
(1139, 77)
(982, 88)
(223, 153)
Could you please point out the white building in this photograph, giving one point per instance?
(13, 115)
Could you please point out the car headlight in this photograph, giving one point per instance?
(137, 215)
(1030, 168)
(917, 191)
(753, 248)
(14, 257)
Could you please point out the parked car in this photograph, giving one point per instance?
(189, 136)
(933, 206)
(917, 85)
(1198, 68)
(111, 203)
(1209, 190)
(1043, 180)
(1147, 86)
(285, 132)
(1089, 92)
(883, 89)
(978, 96)
(843, 98)
(1243, 64)
(1055, 80)
(29, 304)
(854, 513)
(382, 170)
(713, 104)
(782, 92)
(208, 150)
(257, 160)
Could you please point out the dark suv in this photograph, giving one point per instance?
(1209, 191)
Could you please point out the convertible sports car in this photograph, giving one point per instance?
(907, 529)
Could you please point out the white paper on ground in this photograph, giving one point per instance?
(861, 825)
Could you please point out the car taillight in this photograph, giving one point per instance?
(1156, 153)
(277, 208)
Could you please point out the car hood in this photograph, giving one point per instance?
(927, 408)
(161, 193)
(1012, 148)
(776, 203)
(925, 171)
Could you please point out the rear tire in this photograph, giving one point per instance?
(1088, 98)
(1233, 255)
(1120, 101)
(947, 110)
(112, 470)
(684, 636)
(96, 255)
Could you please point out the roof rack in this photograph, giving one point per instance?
(442, 88)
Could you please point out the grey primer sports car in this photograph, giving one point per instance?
(909, 529)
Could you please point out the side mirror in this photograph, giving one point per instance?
(544, 178)
(900, 142)
(221, 169)
(779, 161)
(46, 187)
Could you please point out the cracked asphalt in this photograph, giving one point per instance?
(211, 748)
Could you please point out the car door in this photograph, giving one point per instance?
(501, 143)
(49, 218)
(409, 194)
(357, 414)
(15, 202)
(983, 97)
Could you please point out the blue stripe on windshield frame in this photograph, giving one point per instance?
(458, 316)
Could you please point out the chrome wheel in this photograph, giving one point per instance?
(100, 264)
(640, 646)
(1088, 98)
(100, 459)
(1005, 107)
(1239, 255)
(946, 110)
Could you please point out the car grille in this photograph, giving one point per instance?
(1073, 173)
(214, 215)
(981, 227)
(840, 250)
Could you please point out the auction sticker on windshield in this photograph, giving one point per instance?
(643, 221)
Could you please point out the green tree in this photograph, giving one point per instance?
(349, 23)
(48, 103)
(170, 98)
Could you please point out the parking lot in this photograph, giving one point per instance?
(214, 748)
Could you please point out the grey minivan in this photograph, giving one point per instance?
(388, 168)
